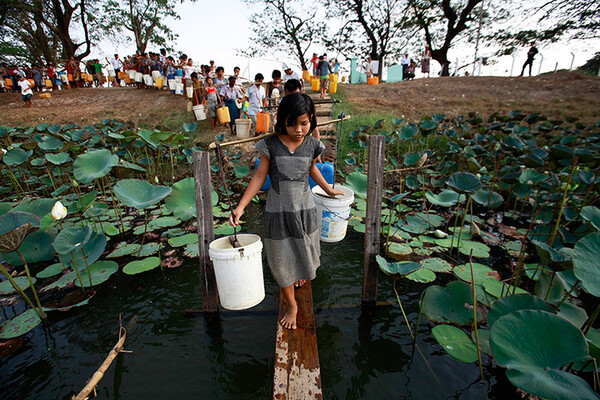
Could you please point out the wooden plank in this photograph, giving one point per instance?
(373, 219)
(297, 371)
(206, 233)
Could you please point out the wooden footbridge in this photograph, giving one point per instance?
(297, 374)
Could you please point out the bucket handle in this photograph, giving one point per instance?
(336, 213)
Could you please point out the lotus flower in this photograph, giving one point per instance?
(59, 211)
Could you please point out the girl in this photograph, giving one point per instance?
(212, 99)
(291, 231)
(230, 94)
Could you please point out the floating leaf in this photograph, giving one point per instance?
(436, 264)
(50, 271)
(506, 305)
(484, 196)
(183, 240)
(455, 342)
(396, 268)
(124, 249)
(500, 289)
(139, 266)
(7, 288)
(36, 247)
(422, 275)
(446, 198)
(481, 273)
(453, 303)
(164, 222)
(399, 250)
(20, 325)
(464, 182)
(100, 271)
(59, 158)
(50, 143)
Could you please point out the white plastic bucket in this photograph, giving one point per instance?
(172, 83)
(155, 74)
(238, 271)
(179, 88)
(200, 112)
(334, 213)
(148, 80)
(242, 128)
(178, 79)
(139, 77)
(189, 91)
(131, 74)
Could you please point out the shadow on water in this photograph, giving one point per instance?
(364, 354)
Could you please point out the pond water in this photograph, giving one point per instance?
(364, 354)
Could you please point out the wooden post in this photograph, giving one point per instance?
(373, 220)
(206, 233)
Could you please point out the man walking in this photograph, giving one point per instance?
(530, 55)
(116, 64)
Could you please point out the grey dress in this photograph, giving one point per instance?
(291, 226)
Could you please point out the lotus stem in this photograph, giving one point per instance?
(475, 315)
(499, 159)
(117, 208)
(463, 224)
(15, 181)
(566, 296)
(562, 204)
(51, 180)
(145, 230)
(77, 272)
(403, 313)
(550, 286)
(87, 267)
(590, 321)
(455, 223)
(24, 179)
(172, 165)
(16, 286)
(37, 300)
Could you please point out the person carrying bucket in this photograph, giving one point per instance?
(213, 99)
(230, 93)
(291, 237)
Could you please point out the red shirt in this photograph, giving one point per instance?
(50, 72)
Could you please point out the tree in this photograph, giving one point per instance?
(285, 27)
(441, 23)
(143, 18)
(373, 27)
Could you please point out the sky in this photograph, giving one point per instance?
(215, 30)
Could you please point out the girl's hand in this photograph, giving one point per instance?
(234, 217)
(334, 192)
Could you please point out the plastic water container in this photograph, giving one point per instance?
(139, 77)
(159, 83)
(199, 112)
(179, 89)
(333, 86)
(242, 128)
(178, 79)
(334, 213)
(172, 83)
(131, 74)
(238, 271)
(223, 114)
(155, 74)
(370, 81)
(315, 84)
(148, 80)
(262, 122)
(326, 169)
(189, 91)
(306, 75)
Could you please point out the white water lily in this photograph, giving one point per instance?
(59, 211)
(440, 234)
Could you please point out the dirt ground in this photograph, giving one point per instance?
(560, 95)
(85, 106)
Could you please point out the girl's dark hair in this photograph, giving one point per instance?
(276, 74)
(219, 69)
(259, 76)
(291, 107)
(291, 85)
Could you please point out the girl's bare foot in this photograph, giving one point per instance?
(288, 320)
(299, 283)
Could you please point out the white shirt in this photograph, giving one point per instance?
(255, 99)
(116, 63)
(188, 70)
(25, 87)
(405, 61)
(293, 75)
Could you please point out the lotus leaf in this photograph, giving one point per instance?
(14, 227)
(94, 164)
(59, 158)
(436, 264)
(408, 131)
(35, 248)
(483, 197)
(39, 207)
(481, 273)
(592, 215)
(395, 268)
(62, 283)
(422, 275)
(20, 325)
(16, 156)
(148, 249)
(7, 288)
(358, 183)
(513, 142)
(50, 143)
(552, 258)
(446, 198)
(182, 200)
(50, 271)
(192, 250)
(163, 222)
(100, 272)
(575, 315)
(453, 303)
(189, 127)
(399, 250)
(241, 170)
(72, 239)
(455, 342)
(183, 240)
(500, 289)
(506, 305)
(124, 249)
(139, 266)
(585, 263)
(146, 136)
(533, 345)
(140, 194)
(93, 250)
(464, 182)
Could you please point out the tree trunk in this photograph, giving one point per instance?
(441, 56)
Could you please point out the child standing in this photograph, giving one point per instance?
(213, 100)
(26, 91)
(291, 235)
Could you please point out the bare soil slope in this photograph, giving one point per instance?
(560, 95)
